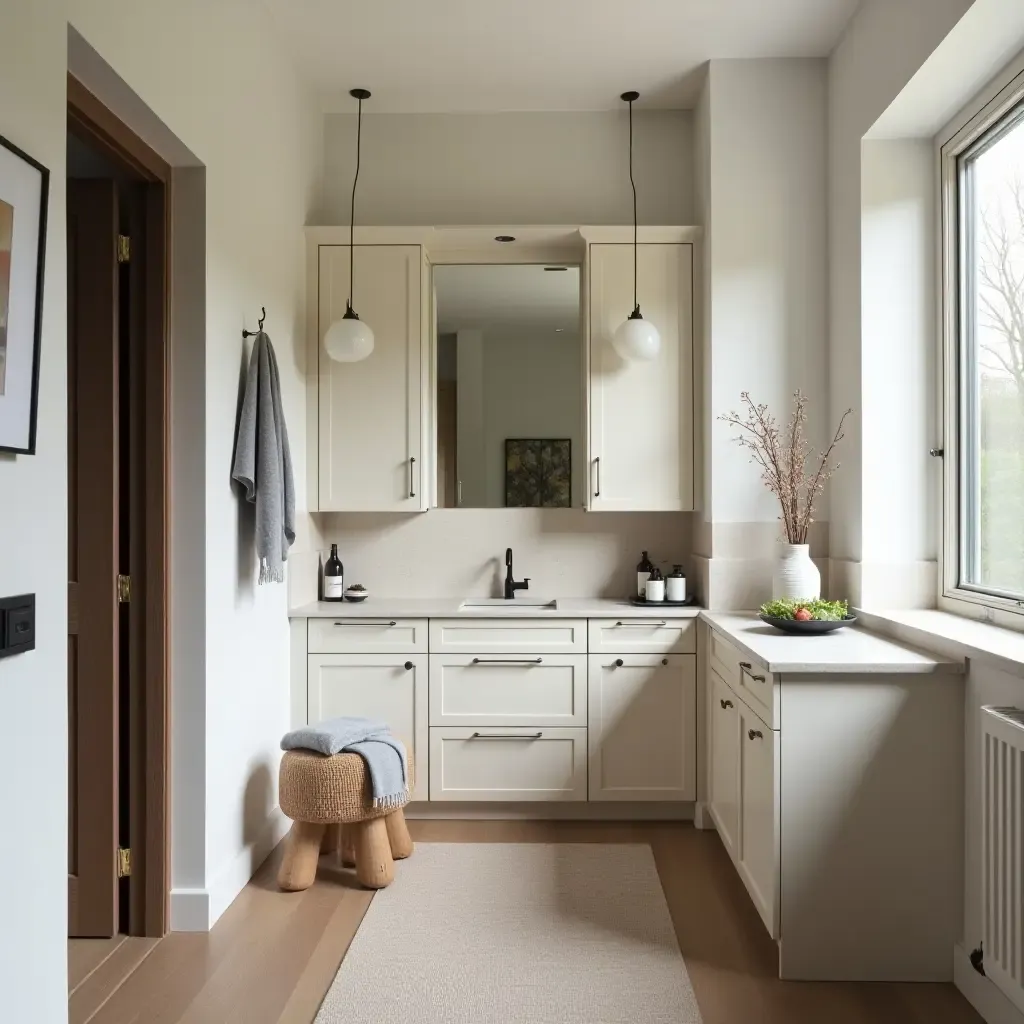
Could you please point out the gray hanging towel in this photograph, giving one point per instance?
(263, 464)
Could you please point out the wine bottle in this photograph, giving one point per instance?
(334, 577)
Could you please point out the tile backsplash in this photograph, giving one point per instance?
(461, 552)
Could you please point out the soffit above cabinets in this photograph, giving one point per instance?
(454, 56)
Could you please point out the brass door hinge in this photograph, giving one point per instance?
(124, 589)
(124, 248)
(124, 863)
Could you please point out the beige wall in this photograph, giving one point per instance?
(512, 168)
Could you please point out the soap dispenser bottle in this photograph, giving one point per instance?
(655, 589)
(643, 572)
(675, 584)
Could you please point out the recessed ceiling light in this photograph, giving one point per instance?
(504, 238)
(552, 269)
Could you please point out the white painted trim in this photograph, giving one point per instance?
(981, 993)
(198, 910)
(457, 811)
(190, 910)
(702, 818)
(623, 234)
(981, 114)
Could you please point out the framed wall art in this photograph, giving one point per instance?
(538, 473)
(24, 190)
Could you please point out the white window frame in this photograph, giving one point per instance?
(979, 118)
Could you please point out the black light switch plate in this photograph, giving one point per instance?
(17, 624)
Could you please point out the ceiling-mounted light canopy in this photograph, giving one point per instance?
(348, 340)
(636, 338)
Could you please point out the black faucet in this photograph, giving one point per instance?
(511, 586)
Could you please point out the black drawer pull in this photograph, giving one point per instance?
(661, 623)
(508, 661)
(506, 736)
(365, 622)
(755, 734)
(726, 704)
(409, 666)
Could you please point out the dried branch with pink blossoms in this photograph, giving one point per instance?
(783, 457)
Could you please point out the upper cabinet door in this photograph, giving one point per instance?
(371, 454)
(641, 413)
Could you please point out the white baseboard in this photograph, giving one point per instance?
(198, 910)
(456, 811)
(993, 1006)
(190, 910)
(702, 816)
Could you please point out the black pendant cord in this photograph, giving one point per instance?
(352, 218)
(636, 304)
(630, 97)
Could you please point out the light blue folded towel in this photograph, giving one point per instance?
(383, 753)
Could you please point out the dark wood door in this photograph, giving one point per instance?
(93, 557)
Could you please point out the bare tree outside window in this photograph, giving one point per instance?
(992, 361)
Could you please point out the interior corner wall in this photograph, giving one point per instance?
(883, 47)
(766, 254)
(510, 168)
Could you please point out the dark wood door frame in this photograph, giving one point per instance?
(149, 771)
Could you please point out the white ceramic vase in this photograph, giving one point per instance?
(795, 575)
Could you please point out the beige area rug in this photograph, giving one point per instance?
(516, 934)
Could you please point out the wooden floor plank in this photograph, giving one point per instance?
(272, 956)
(85, 955)
(103, 983)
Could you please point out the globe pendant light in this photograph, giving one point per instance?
(348, 340)
(636, 338)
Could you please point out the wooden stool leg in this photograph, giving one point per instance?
(348, 845)
(374, 866)
(331, 842)
(398, 835)
(301, 853)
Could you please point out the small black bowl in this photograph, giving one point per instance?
(815, 627)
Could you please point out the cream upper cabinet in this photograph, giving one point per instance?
(371, 453)
(641, 413)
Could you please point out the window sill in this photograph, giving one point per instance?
(951, 634)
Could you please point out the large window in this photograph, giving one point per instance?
(991, 360)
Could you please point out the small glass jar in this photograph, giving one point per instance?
(655, 588)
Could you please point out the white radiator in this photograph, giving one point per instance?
(1002, 775)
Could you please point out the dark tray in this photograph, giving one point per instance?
(638, 603)
(815, 627)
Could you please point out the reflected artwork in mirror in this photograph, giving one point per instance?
(509, 386)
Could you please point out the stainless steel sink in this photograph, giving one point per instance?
(517, 606)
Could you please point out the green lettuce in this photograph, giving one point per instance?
(825, 611)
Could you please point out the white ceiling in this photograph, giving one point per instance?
(419, 56)
(503, 298)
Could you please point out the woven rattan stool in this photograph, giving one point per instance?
(331, 807)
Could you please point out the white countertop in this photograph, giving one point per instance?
(451, 608)
(850, 650)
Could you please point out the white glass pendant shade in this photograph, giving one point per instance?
(637, 338)
(348, 340)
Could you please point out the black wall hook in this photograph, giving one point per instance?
(263, 316)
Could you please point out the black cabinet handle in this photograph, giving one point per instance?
(366, 622)
(619, 662)
(412, 479)
(664, 661)
(506, 736)
(508, 661)
(409, 666)
(597, 467)
(726, 704)
(755, 734)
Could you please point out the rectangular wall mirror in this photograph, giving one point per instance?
(509, 386)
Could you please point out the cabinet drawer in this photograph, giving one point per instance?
(753, 683)
(388, 687)
(367, 636)
(509, 764)
(508, 636)
(489, 690)
(758, 859)
(653, 635)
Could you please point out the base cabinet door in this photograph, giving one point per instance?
(758, 860)
(724, 785)
(389, 687)
(642, 712)
(508, 764)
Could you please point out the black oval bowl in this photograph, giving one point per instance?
(356, 598)
(815, 627)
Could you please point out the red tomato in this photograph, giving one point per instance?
(802, 615)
